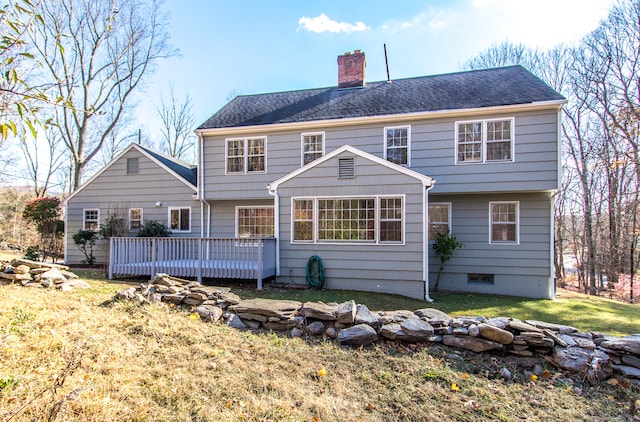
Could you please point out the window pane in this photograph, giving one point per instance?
(397, 143)
(438, 220)
(235, 156)
(499, 140)
(174, 219)
(255, 222)
(504, 222)
(135, 218)
(91, 219)
(470, 141)
(184, 219)
(255, 154)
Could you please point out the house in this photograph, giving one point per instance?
(137, 186)
(365, 174)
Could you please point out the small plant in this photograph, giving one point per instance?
(444, 246)
(85, 240)
(153, 228)
(32, 253)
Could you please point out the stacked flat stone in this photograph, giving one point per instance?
(593, 354)
(40, 274)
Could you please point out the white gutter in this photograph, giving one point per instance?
(276, 223)
(425, 241)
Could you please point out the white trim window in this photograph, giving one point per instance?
(246, 155)
(484, 141)
(180, 219)
(504, 222)
(302, 220)
(252, 222)
(135, 219)
(312, 146)
(397, 145)
(91, 219)
(372, 219)
(439, 218)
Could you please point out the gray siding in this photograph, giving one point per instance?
(223, 215)
(519, 270)
(115, 189)
(384, 268)
(535, 165)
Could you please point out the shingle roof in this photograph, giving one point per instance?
(187, 171)
(474, 89)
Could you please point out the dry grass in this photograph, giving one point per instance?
(72, 356)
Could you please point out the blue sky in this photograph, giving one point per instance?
(257, 46)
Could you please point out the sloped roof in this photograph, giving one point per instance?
(183, 169)
(504, 86)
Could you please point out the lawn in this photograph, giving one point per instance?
(77, 356)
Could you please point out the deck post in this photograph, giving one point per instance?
(111, 249)
(259, 263)
(199, 269)
(153, 258)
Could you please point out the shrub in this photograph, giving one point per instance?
(444, 246)
(32, 253)
(154, 229)
(85, 240)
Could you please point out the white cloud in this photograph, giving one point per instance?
(323, 23)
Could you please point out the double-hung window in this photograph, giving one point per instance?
(439, 219)
(91, 219)
(135, 218)
(397, 141)
(312, 147)
(484, 141)
(246, 155)
(504, 221)
(180, 219)
(254, 222)
(375, 219)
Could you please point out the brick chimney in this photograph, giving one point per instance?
(351, 69)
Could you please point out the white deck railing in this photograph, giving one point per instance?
(193, 257)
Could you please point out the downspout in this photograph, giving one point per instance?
(66, 212)
(200, 191)
(276, 221)
(425, 240)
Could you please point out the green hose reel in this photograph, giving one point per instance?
(315, 273)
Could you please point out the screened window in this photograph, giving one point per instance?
(180, 219)
(397, 145)
(484, 140)
(371, 219)
(303, 219)
(439, 219)
(504, 221)
(246, 155)
(91, 219)
(135, 218)
(390, 219)
(312, 147)
(132, 166)
(254, 222)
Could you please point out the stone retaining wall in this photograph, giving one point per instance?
(594, 355)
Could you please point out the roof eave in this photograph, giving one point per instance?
(387, 118)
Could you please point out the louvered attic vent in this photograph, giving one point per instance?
(346, 168)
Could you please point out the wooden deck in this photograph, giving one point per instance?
(236, 258)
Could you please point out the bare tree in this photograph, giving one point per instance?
(44, 158)
(178, 124)
(97, 53)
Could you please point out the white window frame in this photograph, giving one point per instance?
(295, 220)
(84, 219)
(302, 144)
(385, 147)
(237, 225)
(245, 155)
(179, 209)
(448, 222)
(316, 215)
(516, 223)
(484, 141)
(131, 219)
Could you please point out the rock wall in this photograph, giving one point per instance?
(594, 355)
(39, 274)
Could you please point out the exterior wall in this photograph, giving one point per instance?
(386, 268)
(114, 189)
(519, 270)
(535, 165)
(223, 215)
